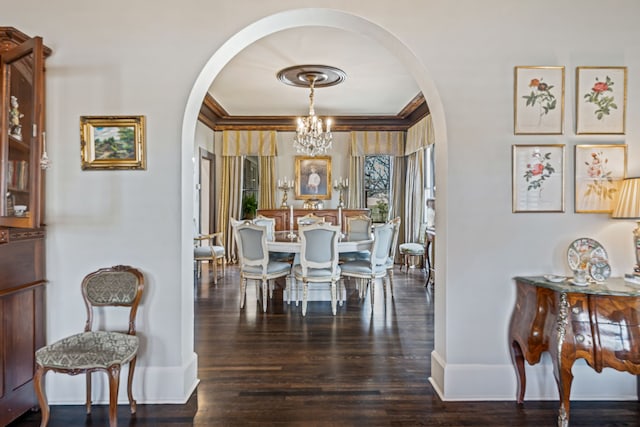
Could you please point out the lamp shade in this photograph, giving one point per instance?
(628, 205)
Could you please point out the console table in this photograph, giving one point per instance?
(599, 323)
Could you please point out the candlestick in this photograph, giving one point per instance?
(286, 186)
(341, 185)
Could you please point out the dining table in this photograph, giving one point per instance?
(289, 242)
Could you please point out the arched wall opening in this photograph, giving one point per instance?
(323, 18)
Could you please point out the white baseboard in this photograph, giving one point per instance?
(468, 382)
(151, 385)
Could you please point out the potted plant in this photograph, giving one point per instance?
(249, 206)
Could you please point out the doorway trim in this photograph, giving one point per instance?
(334, 19)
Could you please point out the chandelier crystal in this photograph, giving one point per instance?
(312, 138)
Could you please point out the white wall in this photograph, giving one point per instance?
(123, 57)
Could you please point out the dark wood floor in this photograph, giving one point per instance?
(359, 368)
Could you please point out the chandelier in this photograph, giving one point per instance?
(311, 139)
(313, 134)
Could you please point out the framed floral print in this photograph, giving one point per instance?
(538, 178)
(599, 172)
(601, 100)
(538, 103)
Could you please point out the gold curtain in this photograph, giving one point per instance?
(397, 197)
(267, 190)
(414, 203)
(420, 135)
(230, 203)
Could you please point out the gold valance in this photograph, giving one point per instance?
(377, 142)
(420, 135)
(249, 143)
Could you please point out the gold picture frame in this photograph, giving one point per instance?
(598, 174)
(313, 177)
(601, 100)
(538, 178)
(112, 142)
(538, 100)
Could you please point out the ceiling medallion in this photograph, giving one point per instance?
(312, 138)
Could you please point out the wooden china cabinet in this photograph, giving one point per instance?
(22, 235)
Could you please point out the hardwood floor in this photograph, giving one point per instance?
(359, 368)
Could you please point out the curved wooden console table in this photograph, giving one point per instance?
(599, 323)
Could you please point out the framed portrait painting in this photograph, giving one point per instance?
(538, 178)
(601, 100)
(538, 103)
(313, 177)
(112, 142)
(599, 172)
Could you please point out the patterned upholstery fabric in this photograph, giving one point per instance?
(97, 349)
(117, 287)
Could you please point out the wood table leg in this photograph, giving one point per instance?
(518, 362)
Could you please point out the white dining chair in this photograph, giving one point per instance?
(359, 225)
(253, 258)
(376, 266)
(318, 260)
(392, 251)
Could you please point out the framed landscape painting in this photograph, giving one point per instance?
(538, 178)
(601, 100)
(599, 172)
(112, 142)
(538, 102)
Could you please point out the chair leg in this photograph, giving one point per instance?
(87, 401)
(132, 402)
(334, 298)
(305, 289)
(243, 290)
(114, 382)
(372, 285)
(38, 382)
(390, 274)
(265, 286)
(215, 271)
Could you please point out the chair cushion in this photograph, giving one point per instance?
(97, 349)
(411, 249)
(362, 267)
(207, 251)
(315, 274)
(273, 267)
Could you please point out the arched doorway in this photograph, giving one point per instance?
(326, 18)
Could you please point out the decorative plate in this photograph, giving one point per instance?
(600, 271)
(584, 252)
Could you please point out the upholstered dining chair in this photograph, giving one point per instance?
(309, 219)
(376, 266)
(269, 223)
(253, 258)
(357, 225)
(97, 350)
(318, 260)
(415, 249)
(209, 247)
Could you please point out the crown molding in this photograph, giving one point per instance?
(213, 115)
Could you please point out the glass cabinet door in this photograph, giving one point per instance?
(22, 70)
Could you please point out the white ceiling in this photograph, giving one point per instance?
(376, 84)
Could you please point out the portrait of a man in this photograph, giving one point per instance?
(313, 178)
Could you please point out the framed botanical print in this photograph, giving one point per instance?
(112, 142)
(599, 171)
(538, 103)
(538, 178)
(601, 100)
(313, 177)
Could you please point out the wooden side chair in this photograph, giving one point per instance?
(209, 248)
(97, 350)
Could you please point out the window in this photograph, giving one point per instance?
(377, 185)
(250, 186)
